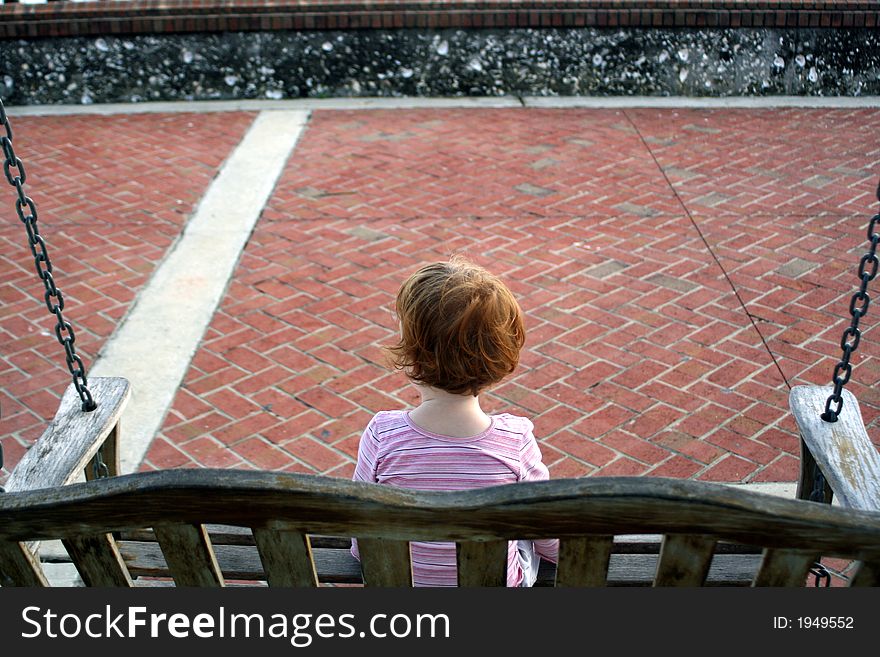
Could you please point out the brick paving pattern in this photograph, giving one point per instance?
(621, 232)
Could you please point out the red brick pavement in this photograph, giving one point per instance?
(640, 358)
(112, 194)
(787, 222)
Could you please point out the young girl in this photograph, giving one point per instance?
(461, 331)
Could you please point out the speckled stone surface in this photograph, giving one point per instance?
(536, 62)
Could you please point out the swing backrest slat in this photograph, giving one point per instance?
(785, 567)
(190, 556)
(286, 557)
(684, 560)
(98, 560)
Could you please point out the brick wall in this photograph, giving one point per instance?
(162, 16)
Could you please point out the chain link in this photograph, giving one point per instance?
(818, 492)
(818, 495)
(820, 573)
(99, 468)
(858, 308)
(26, 209)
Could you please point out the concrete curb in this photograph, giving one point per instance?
(307, 104)
(155, 343)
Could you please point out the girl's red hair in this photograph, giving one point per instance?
(461, 329)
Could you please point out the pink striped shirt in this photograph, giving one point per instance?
(396, 452)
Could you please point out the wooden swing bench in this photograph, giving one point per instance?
(215, 527)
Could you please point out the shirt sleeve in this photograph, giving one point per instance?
(368, 453)
(365, 470)
(532, 468)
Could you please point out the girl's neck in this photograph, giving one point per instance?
(447, 414)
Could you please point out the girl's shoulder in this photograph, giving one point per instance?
(384, 421)
(514, 424)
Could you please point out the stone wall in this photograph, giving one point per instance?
(452, 62)
(150, 50)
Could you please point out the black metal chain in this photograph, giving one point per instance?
(13, 167)
(821, 574)
(818, 492)
(99, 468)
(818, 570)
(858, 308)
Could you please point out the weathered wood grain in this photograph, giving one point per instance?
(482, 563)
(385, 562)
(232, 535)
(640, 507)
(286, 558)
(684, 560)
(72, 438)
(318, 505)
(640, 570)
(867, 574)
(187, 550)
(843, 450)
(785, 567)
(240, 562)
(98, 560)
(338, 566)
(19, 566)
(584, 561)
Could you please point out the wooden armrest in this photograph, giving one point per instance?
(73, 438)
(844, 452)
